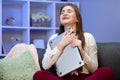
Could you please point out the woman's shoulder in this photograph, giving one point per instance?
(88, 36)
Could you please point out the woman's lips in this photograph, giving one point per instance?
(64, 18)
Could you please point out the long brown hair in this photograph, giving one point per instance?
(79, 28)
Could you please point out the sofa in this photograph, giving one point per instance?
(108, 56)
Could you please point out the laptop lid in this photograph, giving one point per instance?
(69, 60)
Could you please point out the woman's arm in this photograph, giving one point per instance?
(90, 53)
(51, 55)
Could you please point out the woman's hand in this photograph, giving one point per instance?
(78, 43)
(67, 38)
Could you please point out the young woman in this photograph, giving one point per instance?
(71, 18)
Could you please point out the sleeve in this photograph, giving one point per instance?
(90, 58)
(50, 56)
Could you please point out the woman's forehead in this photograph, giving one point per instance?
(68, 7)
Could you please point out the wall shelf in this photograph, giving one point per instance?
(20, 28)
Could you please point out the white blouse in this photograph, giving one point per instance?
(90, 58)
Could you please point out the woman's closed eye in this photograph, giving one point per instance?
(68, 11)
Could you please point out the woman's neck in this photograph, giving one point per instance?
(73, 28)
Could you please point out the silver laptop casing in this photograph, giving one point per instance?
(69, 60)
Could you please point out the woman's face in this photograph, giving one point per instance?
(68, 16)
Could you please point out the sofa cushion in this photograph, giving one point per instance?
(18, 68)
(109, 56)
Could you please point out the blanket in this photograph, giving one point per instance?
(21, 67)
(20, 63)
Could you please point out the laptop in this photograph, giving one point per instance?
(69, 60)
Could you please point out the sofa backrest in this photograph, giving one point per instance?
(109, 56)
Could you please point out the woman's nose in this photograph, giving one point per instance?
(65, 13)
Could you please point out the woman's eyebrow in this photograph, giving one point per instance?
(70, 10)
(67, 10)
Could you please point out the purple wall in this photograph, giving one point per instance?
(102, 19)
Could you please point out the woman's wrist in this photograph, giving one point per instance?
(60, 47)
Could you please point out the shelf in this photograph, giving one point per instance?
(41, 14)
(40, 34)
(24, 21)
(42, 28)
(14, 13)
(14, 27)
(10, 37)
